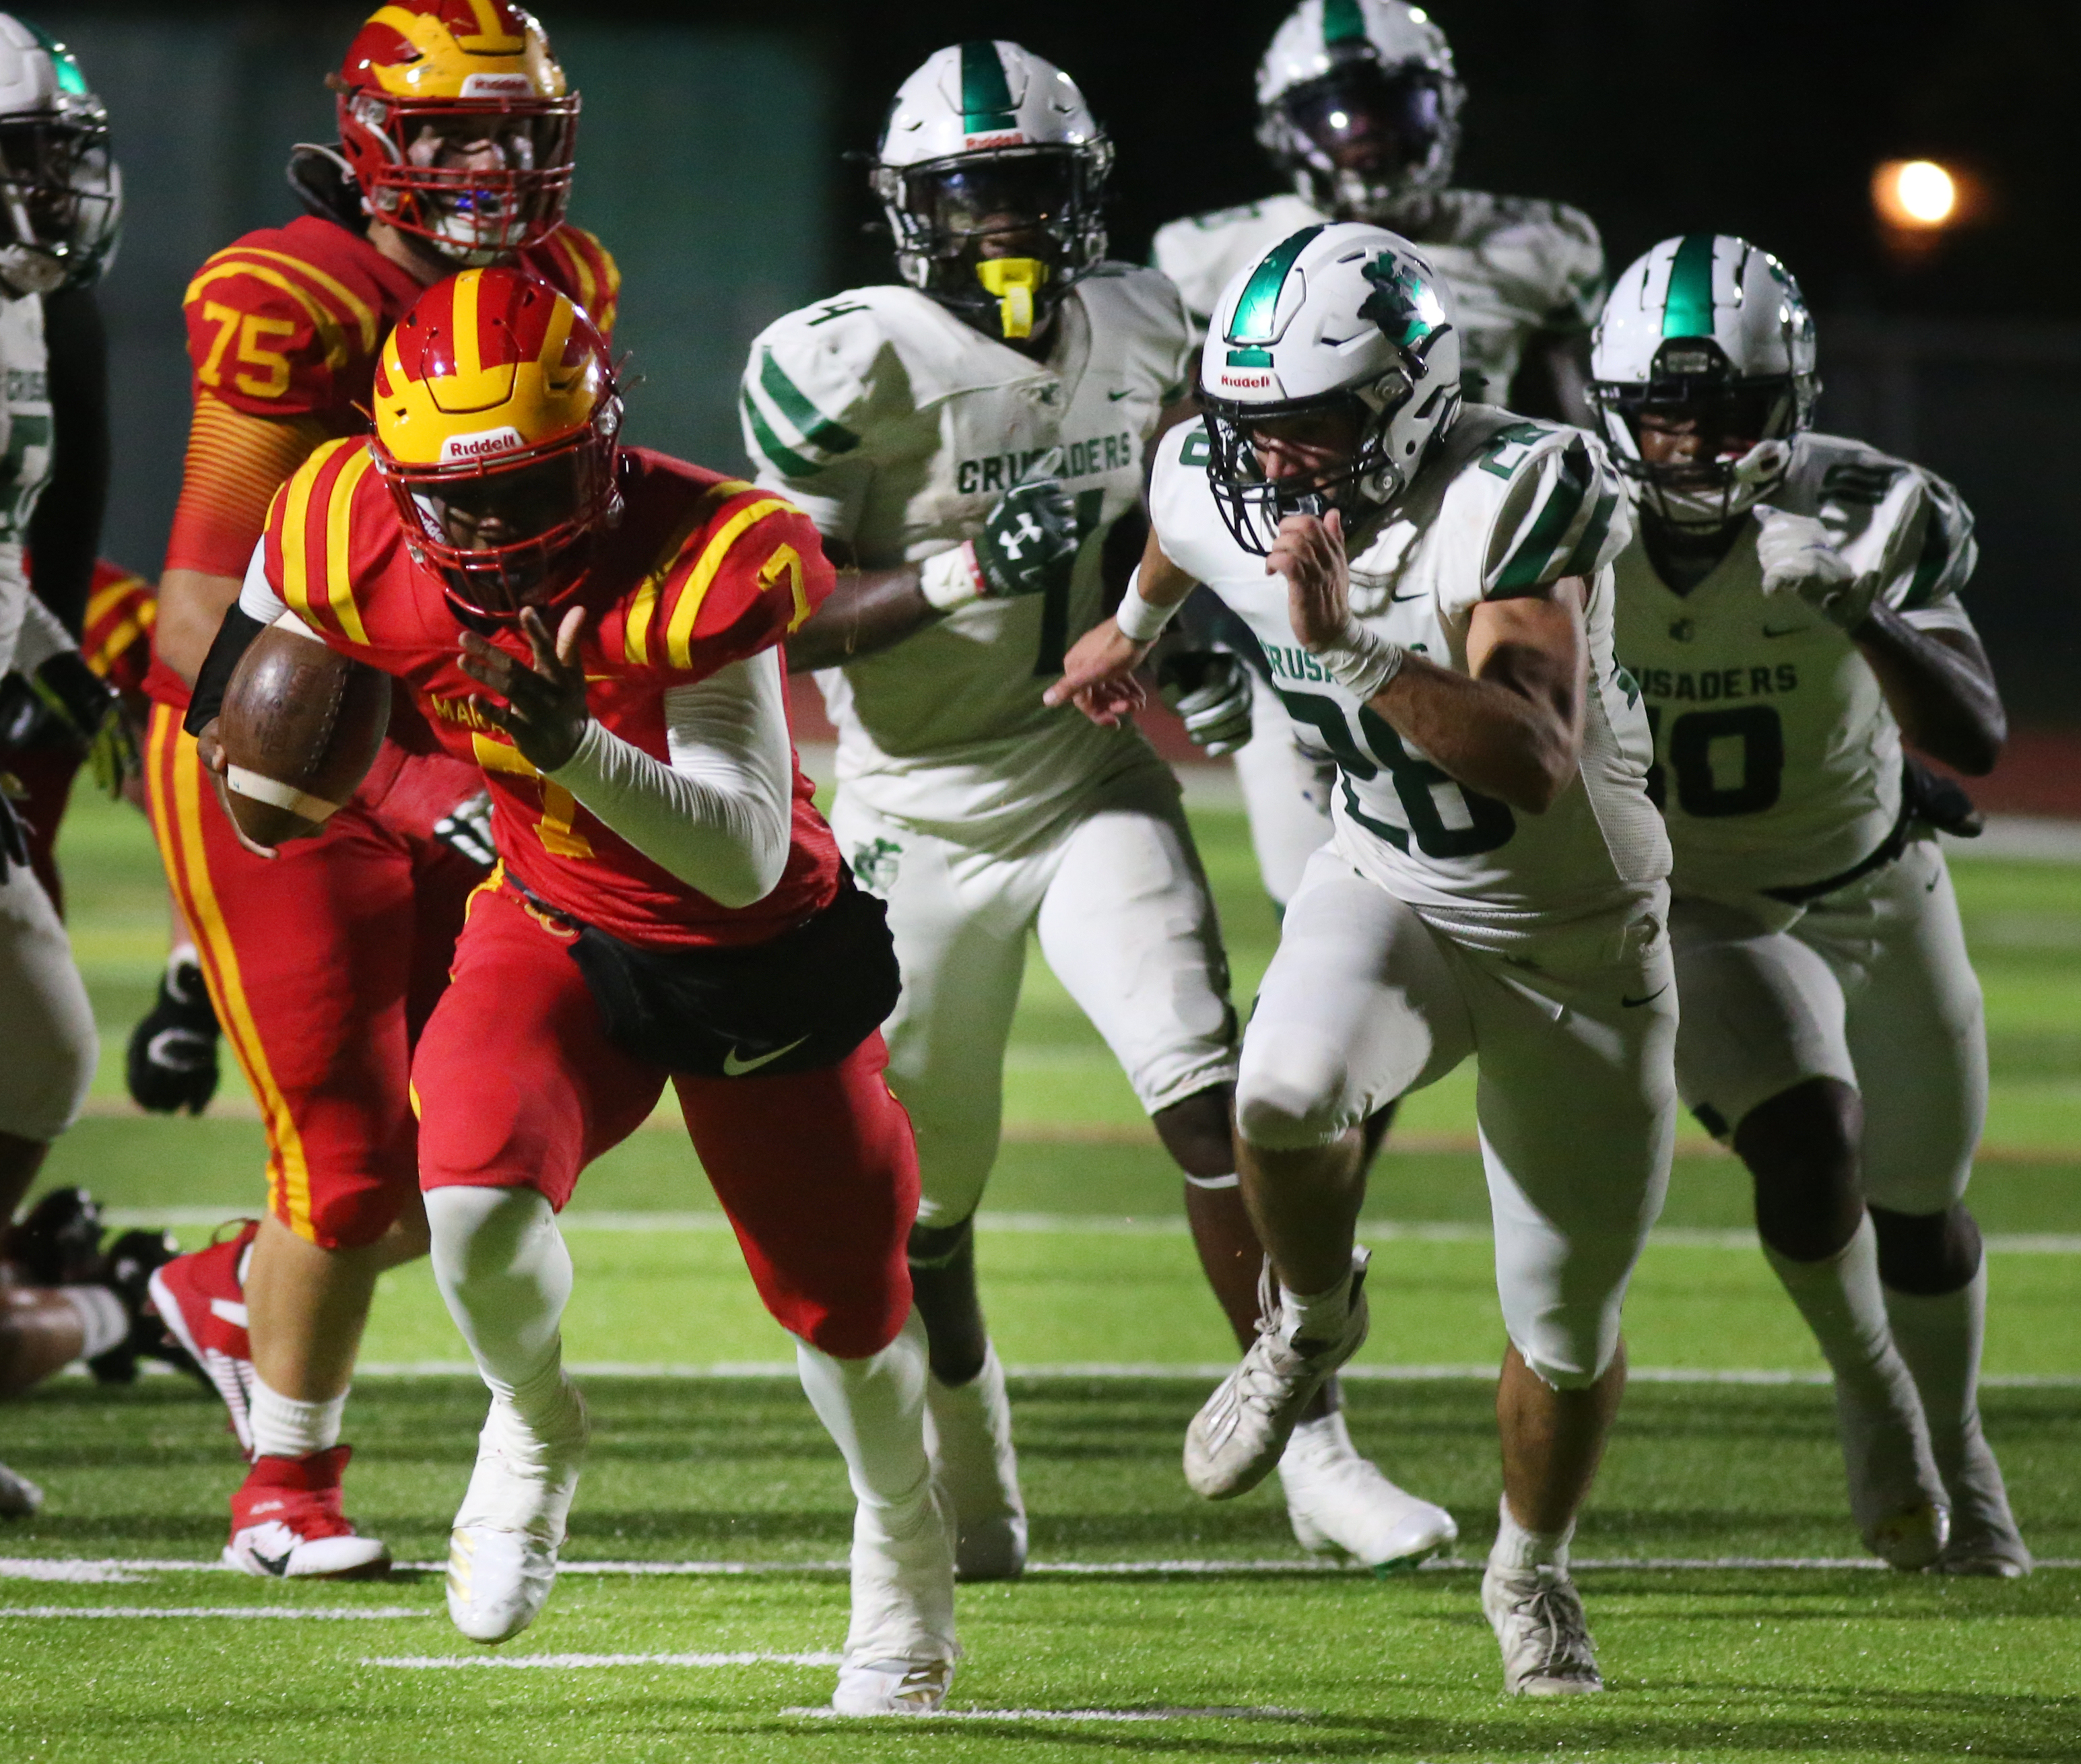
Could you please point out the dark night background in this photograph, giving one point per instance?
(709, 162)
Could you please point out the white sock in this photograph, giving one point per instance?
(874, 1408)
(1844, 1307)
(285, 1427)
(502, 1267)
(1939, 1338)
(1517, 1547)
(1316, 1316)
(103, 1323)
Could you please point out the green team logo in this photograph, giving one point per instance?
(1405, 307)
(874, 863)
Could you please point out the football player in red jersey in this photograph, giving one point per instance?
(669, 907)
(456, 141)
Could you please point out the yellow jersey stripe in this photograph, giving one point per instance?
(296, 530)
(679, 634)
(643, 604)
(326, 326)
(363, 313)
(339, 567)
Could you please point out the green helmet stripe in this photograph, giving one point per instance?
(1342, 22)
(1256, 315)
(986, 103)
(71, 78)
(1687, 310)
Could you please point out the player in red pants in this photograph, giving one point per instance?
(669, 907)
(456, 146)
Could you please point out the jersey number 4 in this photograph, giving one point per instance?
(1418, 785)
(1730, 762)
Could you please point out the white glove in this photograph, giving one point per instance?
(1798, 558)
(1211, 693)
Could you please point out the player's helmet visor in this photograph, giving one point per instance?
(58, 192)
(1306, 457)
(1380, 123)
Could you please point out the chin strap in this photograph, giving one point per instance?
(1013, 282)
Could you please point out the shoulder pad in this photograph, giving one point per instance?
(271, 331)
(742, 571)
(808, 381)
(1554, 506)
(574, 263)
(314, 533)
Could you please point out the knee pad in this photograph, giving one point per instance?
(937, 1246)
(1292, 1099)
(1927, 1255)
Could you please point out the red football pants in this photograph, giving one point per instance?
(324, 964)
(518, 1086)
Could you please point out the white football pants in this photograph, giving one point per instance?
(47, 1044)
(1577, 1102)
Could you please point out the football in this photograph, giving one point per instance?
(300, 728)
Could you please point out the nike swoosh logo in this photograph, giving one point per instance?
(1398, 598)
(1115, 397)
(1788, 631)
(735, 1068)
(1630, 1004)
(276, 1565)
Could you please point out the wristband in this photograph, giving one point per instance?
(951, 579)
(1139, 621)
(1360, 660)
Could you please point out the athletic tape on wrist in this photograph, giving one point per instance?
(1137, 620)
(1360, 660)
(951, 579)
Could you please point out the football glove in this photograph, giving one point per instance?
(1029, 540)
(1799, 558)
(467, 828)
(172, 1061)
(1209, 690)
(91, 710)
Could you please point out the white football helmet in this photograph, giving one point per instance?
(1358, 102)
(60, 192)
(1707, 330)
(988, 140)
(1345, 315)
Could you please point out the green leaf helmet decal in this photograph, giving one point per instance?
(1256, 320)
(986, 106)
(1405, 307)
(1687, 310)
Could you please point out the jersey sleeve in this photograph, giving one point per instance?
(273, 336)
(234, 464)
(1575, 270)
(310, 550)
(1188, 526)
(750, 577)
(809, 406)
(1933, 552)
(1560, 510)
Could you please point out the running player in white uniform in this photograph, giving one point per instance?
(972, 444)
(1358, 104)
(1496, 885)
(1790, 609)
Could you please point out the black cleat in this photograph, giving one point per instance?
(127, 1271)
(59, 1241)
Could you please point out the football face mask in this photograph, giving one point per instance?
(1269, 461)
(1365, 132)
(477, 181)
(60, 201)
(1705, 445)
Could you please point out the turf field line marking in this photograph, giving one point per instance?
(574, 1662)
(1209, 1714)
(229, 1613)
(38, 1568)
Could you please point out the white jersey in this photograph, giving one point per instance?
(1500, 507)
(1778, 764)
(896, 427)
(1516, 267)
(25, 453)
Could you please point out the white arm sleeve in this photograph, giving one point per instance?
(42, 636)
(720, 816)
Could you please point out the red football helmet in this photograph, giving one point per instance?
(498, 430)
(458, 126)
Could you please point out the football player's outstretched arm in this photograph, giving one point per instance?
(1512, 726)
(1098, 674)
(1939, 687)
(870, 609)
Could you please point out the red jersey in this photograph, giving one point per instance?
(117, 640)
(702, 571)
(288, 323)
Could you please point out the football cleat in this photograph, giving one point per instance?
(1242, 1429)
(503, 1551)
(1896, 1496)
(19, 1497)
(1339, 1501)
(1537, 1617)
(127, 1270)
(286, 1524)
(900, 1649)
(201, 1299)
(968, 1434)
(57, 1242)
(1984, 1540)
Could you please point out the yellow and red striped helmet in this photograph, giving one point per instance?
(498, 430)
(461, 128)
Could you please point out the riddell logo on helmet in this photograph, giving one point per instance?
(1244, 382)
(972, 142)
(497, 86)
(460, 448)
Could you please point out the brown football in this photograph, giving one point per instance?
(300, 727)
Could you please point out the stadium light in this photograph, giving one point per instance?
(1915, 195)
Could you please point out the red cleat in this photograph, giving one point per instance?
(286, 1523)
(202, 1301)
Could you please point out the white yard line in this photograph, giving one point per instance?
(579, 1662)
(1077, 1715)
(226, 1613)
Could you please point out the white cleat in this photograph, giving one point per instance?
(1897, 1497)
(1339, 1501)
(1537, 1617)
(1984, 1540)
(968, 1434)
(1241, 1430)
(19, 1497)
(900, 1649)
(503, 1551)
